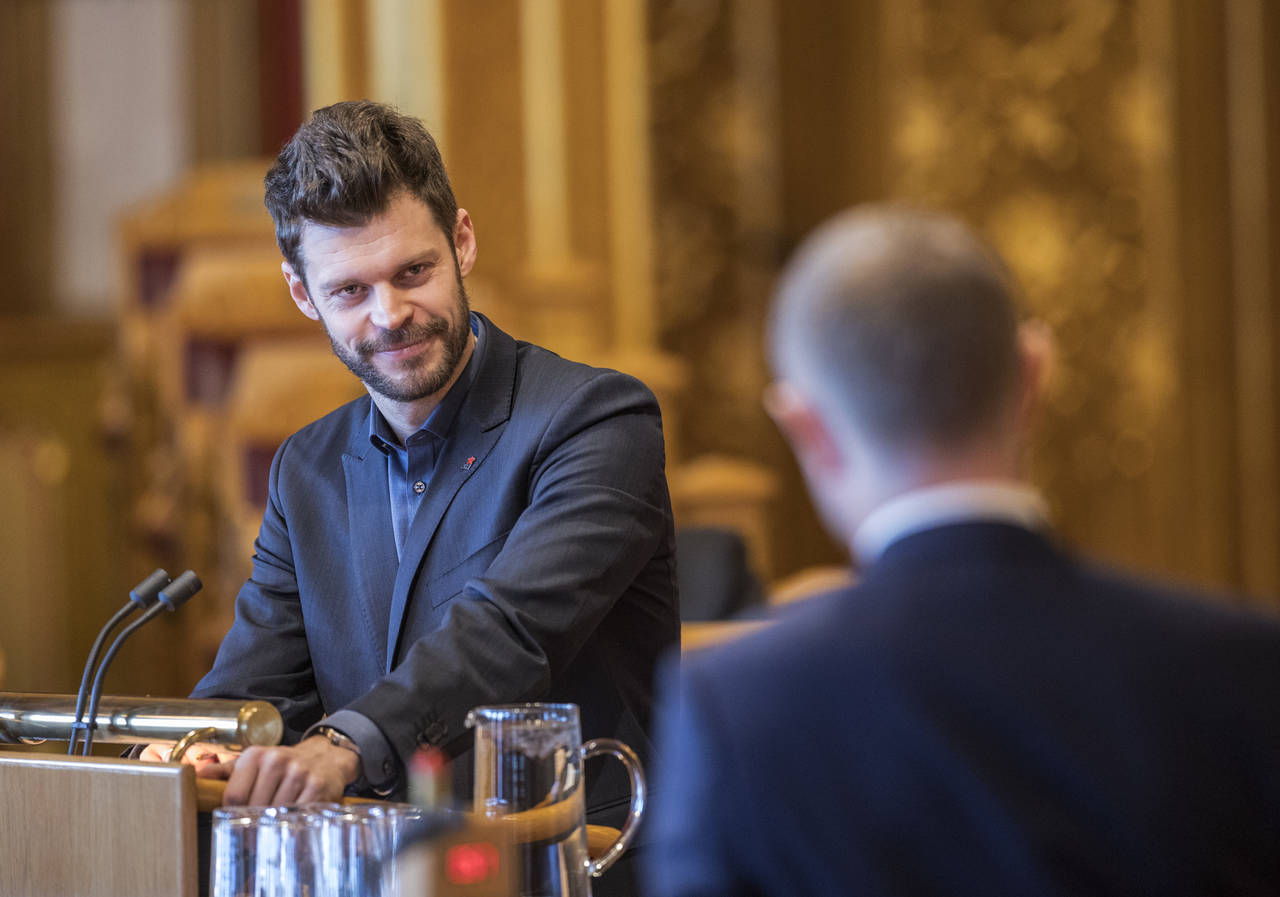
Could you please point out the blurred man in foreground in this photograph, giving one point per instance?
(982, 714)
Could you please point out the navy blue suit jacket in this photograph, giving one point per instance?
(539, 566)
(981, 715)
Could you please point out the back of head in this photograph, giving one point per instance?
(344, 166)
(900, 321)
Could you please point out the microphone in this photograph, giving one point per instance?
(169, 598)
(142, 596)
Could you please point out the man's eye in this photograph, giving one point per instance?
(415, 270)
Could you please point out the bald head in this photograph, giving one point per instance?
(900, 322)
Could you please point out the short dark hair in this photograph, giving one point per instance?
(905, 320)
(344, 166)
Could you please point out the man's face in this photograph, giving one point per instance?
(389, 295)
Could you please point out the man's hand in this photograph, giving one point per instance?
(212, 761)
(313, 770)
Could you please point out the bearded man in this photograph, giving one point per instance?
(491, 524)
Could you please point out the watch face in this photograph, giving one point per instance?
(338, 739)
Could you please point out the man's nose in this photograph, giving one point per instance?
(390, 308)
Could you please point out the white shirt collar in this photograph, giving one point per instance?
(1005, 501)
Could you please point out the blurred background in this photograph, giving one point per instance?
(637, 171)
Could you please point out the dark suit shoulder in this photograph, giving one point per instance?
(1201, 606)
(556, 400)
(796, 641)
(912, 617)
(541, 371)
(980, 567)
(993, 704)
(1183, 617)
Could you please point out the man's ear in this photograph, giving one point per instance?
(298, 291)
(805, 428)
(1036, 353)
(464, 242)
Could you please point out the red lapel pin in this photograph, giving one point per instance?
(470, 461)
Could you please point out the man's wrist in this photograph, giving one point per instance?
(378, 765)
(341, 740)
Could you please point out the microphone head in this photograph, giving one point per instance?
(145, 593)
(178, 592)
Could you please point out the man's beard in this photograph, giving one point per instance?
(422, 376)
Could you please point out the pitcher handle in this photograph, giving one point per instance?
(594, 748)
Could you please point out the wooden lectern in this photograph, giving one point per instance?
(96, 827)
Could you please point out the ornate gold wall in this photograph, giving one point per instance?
(1117, 154)
(1041, 124)
(1092, 142)
(638, 171)
(716, 221)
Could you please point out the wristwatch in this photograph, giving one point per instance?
(337, 739)
(342, 740)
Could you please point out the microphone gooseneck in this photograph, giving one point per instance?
(170, 598)
(141, 597)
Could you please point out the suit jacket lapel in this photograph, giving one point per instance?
(373, 544)
(476, 429)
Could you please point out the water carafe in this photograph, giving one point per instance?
(528, 761)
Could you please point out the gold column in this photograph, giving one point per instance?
(335, 51)
(1252, 237)
(631, 218)
(758, 182)
(1199, 466)
(223, 39)
(563, 293)
(407, 64)
(26, 225)
(543, 117)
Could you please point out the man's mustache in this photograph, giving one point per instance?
(403, 336)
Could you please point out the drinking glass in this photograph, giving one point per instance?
(397, 820)
(356, 843)
(265, 852)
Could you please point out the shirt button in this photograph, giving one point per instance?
(419, 487)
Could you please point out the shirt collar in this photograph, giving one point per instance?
(440, 421)
(1004, 501)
